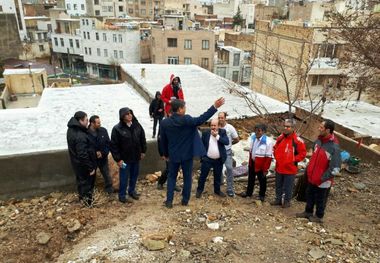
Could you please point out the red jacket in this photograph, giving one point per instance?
(325, 161)
(288, 151)
(167, 93)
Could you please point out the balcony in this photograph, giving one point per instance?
(325, 66)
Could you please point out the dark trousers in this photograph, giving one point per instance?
(187, 169)
(207, 164)
(251, 181)
(164, 175)
(284, 184)
(128, 176)
(85, 182)
(155, 121)
(104, 170)
(318, 197)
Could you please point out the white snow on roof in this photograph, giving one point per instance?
(22, 71)
(231, 49)
(44, 128)
(359, 116)
(201, 88)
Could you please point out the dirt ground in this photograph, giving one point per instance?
(248, 230)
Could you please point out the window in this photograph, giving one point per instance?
(205, 44)
(204, 63)
(98, 52)
(85, 50)
(71, 42)
(236, 60)
(45, 36)
(235, 76)
(89, 51)
(84, 35)
(221, 72)
(75, 6)
(327, 50)
(96, 2)
(87, 22)
(121, 55)
(94, 69)
(188, 44)
(41, 48)
(105, 52)
(120, 38)
(104, 37)
(110, 9)
(67, 27)
(130, 10)
(88, 35)
(120, 8)
(56, 41)
(143, 2)
(62, 42)
(173, 60)
(172, 42)
(142, 12)
(187, 61)
(115, 53)
(114, 38)
(97, 12)
(82, 6)
(97, 36)
(83, 22)
(77, 43)
(68, 7)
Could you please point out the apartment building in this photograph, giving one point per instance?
(188, 8)
(301, 50)
(15, 7)
(37, 43)
(233, 64)
(76, 7)
(183, 47)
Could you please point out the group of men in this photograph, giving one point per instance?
(180, 140)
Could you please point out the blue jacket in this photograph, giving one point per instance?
(223, 140)
(179, 134)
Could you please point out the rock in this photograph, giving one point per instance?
(188, 211)
(43, 238)
(50, 213)
(334, 241)
(217, 240)
(151, 178)
(212, 217)
(73, 226)
(185, 253)
(258, 203)
(201, 219)
(317, 253)
(2, 222)
(3, 235)
(348, 237)
(360, 186)
(213, 226)
(278, 228)
(352, 190)
(153, 245)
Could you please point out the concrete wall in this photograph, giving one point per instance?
(10, 44)
(4, 98)
(23, 83)
(33, 174)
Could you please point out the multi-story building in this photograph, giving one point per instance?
(37, 44)
(300, 53)
(226, 8)
(183, 47)
(188, 8)
(15, 7)
(106, 45)
(233, 64)
(76, 7)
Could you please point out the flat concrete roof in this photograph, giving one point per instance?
(44, 127)
(201, 88)
(22, 71)
(231, 48)
(359, 116)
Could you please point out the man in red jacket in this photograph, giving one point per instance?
(172, 91)
(288, 151)
(324, 165)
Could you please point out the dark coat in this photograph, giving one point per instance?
(223, 140)
(101, 142)
(127, 143)
(179, 134)
(82, 154)
(156, 105)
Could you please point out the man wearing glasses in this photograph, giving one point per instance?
(288, 151)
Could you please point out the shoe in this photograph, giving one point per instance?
(275, 202)
(316, 219)
(168, 205)
(198, 194)
(286, 204)
(261, 198)
(231, 194)
(177, 188)
(109, 191)
(184, 203)
(304, 215)
(221, 194)
(244, 195)
(125, 200)
(160, 186)
(87, 202)
(135, 196)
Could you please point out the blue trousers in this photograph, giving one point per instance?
(317, 197)
(284, 184)
(207, 164)
(128, 176)
(187, 169)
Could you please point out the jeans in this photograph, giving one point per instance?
(131, 171)
(155, 121)
(187, 169)
(206, 166)
(85, 182)
(318, 197)
(104, 170)
(230, 176)
(284, 184)
(251, 181)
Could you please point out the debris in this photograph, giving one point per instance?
(360, 186)
(213, 226)
(217, 240)
(334, 241)
(151, 178)
(43, 238)
(317, 253)
(73, 226)
(153, 245)
(185, 253)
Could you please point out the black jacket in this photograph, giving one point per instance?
(101, 142)
(127, 143)
(81, 152)
(156, 105)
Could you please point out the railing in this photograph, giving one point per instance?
(325, 63)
